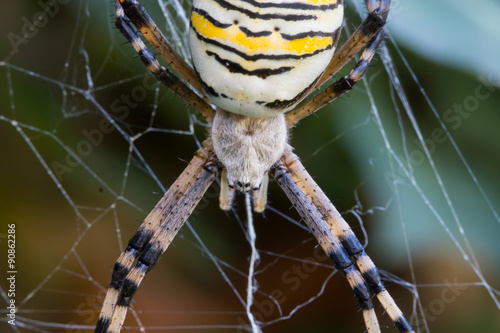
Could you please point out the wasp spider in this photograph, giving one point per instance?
(253, 62)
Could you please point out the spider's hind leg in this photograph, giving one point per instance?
(337, 88)
(138, 16)
(371, 26)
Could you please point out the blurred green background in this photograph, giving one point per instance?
(76, 66)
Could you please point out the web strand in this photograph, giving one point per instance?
(90, 143)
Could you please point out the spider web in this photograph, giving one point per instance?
(90, 142)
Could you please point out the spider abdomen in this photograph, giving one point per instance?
(259, 58)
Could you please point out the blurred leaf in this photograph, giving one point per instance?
(457, 33)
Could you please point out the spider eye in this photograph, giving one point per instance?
(243, 187)
(246, 185)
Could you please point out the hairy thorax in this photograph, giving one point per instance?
(247, 147)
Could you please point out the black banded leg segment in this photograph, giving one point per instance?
(154, 236)
(327, 240)
(313, 204)
(337, 88)
(348, 239)
(366, 31)
(162, 74)
(138, 15)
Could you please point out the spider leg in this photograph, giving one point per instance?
(337, 88)
(161, 73)
(148, 28)
(337, 240)
(366, 31)
(154, 236)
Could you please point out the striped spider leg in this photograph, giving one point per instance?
(246, 142)
(154, 236)
(337, 240)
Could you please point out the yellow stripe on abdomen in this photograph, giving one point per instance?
(322, 2)
(251, 45)
(258, 58)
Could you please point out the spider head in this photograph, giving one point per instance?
(242, 187)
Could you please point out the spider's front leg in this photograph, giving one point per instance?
(337, 240)
(154, 236)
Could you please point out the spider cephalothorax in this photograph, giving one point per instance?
(247, 146)
(255, 60)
